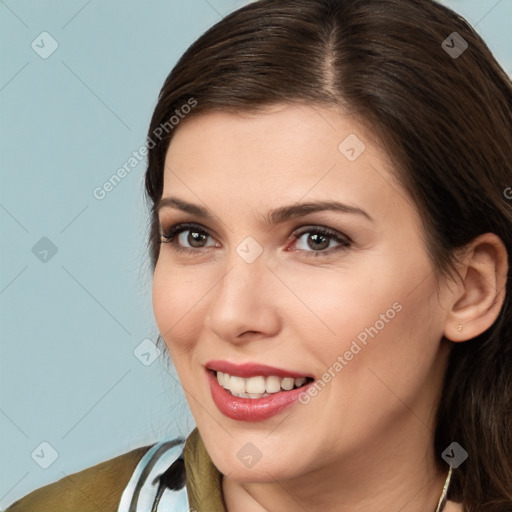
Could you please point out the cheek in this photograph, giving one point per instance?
(177, 304)
(339, 304)
(392, 351)
(377, 314)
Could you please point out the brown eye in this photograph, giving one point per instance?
(195, 238)
(319, 241)
(187, 237)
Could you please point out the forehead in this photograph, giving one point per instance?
(285, 154)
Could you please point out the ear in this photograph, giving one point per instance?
(481, 292)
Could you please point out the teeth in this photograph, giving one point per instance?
(257, 387)
(287, 383)
(272, 384)
(250, 395)
(300, 382)
(237, 384)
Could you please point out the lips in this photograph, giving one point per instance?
(253, 370)
(252, 409)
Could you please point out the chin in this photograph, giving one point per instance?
(260, 473)
(267, 469)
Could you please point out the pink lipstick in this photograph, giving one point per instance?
(253, 409)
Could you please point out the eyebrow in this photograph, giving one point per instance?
(275, 216)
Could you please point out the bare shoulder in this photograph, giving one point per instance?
(96, 488)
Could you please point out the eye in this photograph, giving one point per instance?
(186, 238)
(191, 238)
(320, 241)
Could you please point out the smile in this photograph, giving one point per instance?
(254, 392)
(259, 386)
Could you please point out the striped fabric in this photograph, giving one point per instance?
(158, 482)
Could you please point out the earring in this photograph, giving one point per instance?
(459, 328)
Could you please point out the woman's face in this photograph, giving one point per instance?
(356, 308)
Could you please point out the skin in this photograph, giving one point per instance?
(365, 441)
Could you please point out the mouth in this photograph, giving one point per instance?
(258, 386)
(254, 392)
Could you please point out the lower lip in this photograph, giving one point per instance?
(251, 409)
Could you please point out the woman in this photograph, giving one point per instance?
(329, 183)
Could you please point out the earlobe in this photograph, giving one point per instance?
(481, 292)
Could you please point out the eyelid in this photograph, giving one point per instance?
(344, 242)
(171, 233)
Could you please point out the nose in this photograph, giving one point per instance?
(244, 304)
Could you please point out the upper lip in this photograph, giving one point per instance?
(252, 369)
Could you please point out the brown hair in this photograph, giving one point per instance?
(445, 122)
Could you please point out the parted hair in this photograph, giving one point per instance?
(444, 119)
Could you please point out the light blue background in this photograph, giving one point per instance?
(69, 326)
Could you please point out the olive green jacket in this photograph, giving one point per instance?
(99, 488)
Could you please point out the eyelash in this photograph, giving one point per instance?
(169, 237)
